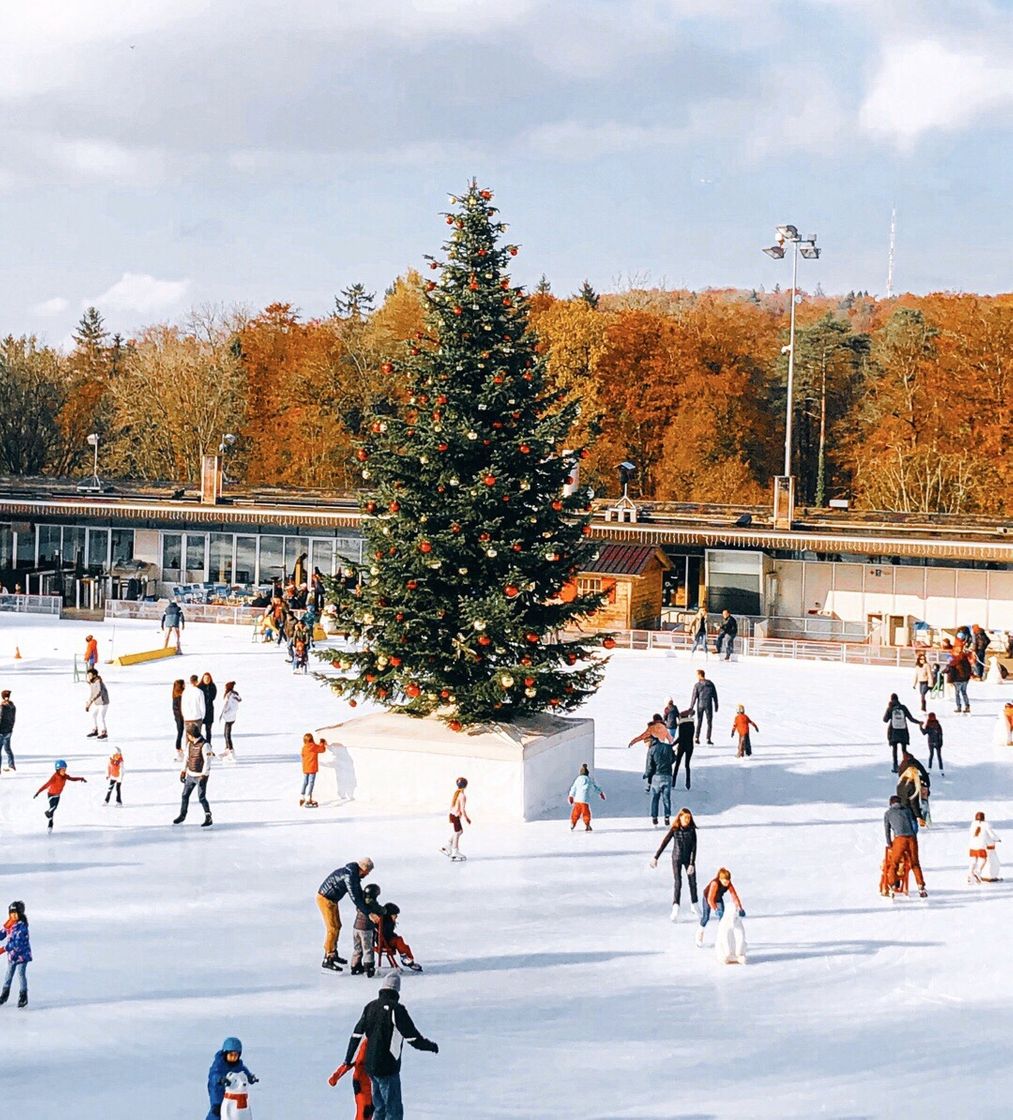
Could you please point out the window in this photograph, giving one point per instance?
(322, 556)
(26, 546)
(73, 545)
(50, 548)
(294, 548)
(246, 560)
(586, 585)
(98, 550)
(272, 564)
(6, 546)
(220, 568)
(196, 557)
(122, 545)
(172, 555)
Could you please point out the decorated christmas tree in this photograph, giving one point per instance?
(474, 528)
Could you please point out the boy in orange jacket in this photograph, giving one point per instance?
(740, 727)
(54, 787)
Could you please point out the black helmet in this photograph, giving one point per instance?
(16, 907)
(371, 889)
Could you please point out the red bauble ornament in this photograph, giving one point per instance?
(473, 284)
(455, 528)
(524, 449)
(512, 250)
(370, 678)
(450, 219)
(425, 546)
(412, 584)
(557, 504)
(362, 454)
(517, 548)
(482, 252)
(529, 682)
(571, 659)
(444, 693)
(430, 284)
(510, 591)
(387, 367)
(483, 537)
(394, 506)
(508, 303)
(506, 497)
(485, 195)
(484, 640)
(525, 660)
(442, 446)
(395, 661)
(497, 424)
(382, 693)
(335, 664)
(584, 453)
(489, 480)
(504, 283)
(412, 690)
(609, 643)
(586, 530)
(531, 637)
(454, 725)
(554, 701)
(399, 617)
(442, 399)
(458, 310)
(353, 703)
(371, 507)
(434, 264)
(498, 379)
(528, 376)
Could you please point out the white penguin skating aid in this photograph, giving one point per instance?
(730, 946)
(236, 1105)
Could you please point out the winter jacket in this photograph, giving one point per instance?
(230, 708)
(342, 881)
(896, 717)
(177, 707)
(934, 733)
(923, 674)
(18, 947)
(671, 718)
(115, 768)
(198, 759)
(192, 704)
(910, 760)
(99, 694)
(660, 760)
(981, 642)
(91, 652)
(54, 785)
(704, 696)
(210, 693)
(8, 713)
(909, 790)
(683, 844)
(957, 669)
(699, 626)
(220, 1067)
(980, 837)
(311, 753)
(742, 724)
(899, 821)
(686, 733)
(173, 616)
(386, 1025)
(362, 917)
(729, 627)
(583, 787)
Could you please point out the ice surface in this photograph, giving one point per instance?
(555, 983)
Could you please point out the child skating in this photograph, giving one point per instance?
(54, 787)
(740, 726)
(580, 797)
(228, 1060)
(932, 729)
(458, 813)
(17, 946)
(390, 941)
(364, 932)
(311, 752)
(114, 772)
(984, 862)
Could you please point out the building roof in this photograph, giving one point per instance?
(616, 558)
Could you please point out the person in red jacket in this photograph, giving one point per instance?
(714, 900)
(54, 787)
(740, 727)
(90, 651)
(362, 1086)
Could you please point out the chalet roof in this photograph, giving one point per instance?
(616, 558)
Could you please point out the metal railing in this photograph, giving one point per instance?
(816, 626)
(192, 612)
(31, 604)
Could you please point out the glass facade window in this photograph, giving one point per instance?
(246, 560)
(172, 555)
(26, 546)
(73, 545)
(220, 567)
(272, 563)
(322, 556)
(6, 547)
(50, 548)
(294, 548)
(122, 546)
(98, 550)
(196, 557)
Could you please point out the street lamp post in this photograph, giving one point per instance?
(808, 249)
(95, 486)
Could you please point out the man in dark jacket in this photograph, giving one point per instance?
(980, 642)
(172, 623)
(386, 1025)
(726, 634)
(901, 831)
(684, 745)
(658, 775)
(341, 881)
(704, 698)
(8, 713)
(958, 672)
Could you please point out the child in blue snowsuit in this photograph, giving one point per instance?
(227, 1060)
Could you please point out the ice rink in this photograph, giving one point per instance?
(554, 982)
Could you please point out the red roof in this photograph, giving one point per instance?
(616, 559)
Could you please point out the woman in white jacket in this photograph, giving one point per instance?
(982, 842)
(230, 709)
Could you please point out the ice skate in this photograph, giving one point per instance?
(207, 821)
(312, 805)
(674, 916)
(923, 893)
(457, 857)
(23, 1000)
(356, 970)
(699, 938)
(5, 995)
(741, 959)
(302, 802)
(180, 819)
(588, 828)
(446, 851)
(331, 962)
(370, 971)
(409, 963)
(92, 735)
(103, 735)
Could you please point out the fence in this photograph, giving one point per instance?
(31, 604)
(192, 612)
(819, 627)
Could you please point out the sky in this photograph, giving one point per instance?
(164, 154)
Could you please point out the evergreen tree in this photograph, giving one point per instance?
(543, 287)
(588, 295)
(472, 550)
(354, 302)
(90, 333)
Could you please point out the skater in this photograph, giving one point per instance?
(458, 812)
(896, 720)
(192, 706)
(682, 835)
(656, 729)
(90, 652)
(933, 730)
(984, 862)
(173, 622)
(684, 746)
(210, 690)
(364, 932)
(901, 830)
(389, 941)
(8, 713)
(54, 787)
(740, 726)
(98, 704)
(362, 1086)
(18, 948)
(194, 776)
(341, 881)
(912, 793)
(980, 641)
(386, 1025)
(698, 629)
(177, 715)
(114, 772)
(726, 635)
(311, 752)
(658, 776)
(230, 709)
(227, 1060)
(714, 900)
(580, 798)
(958, 673)
(704, 698)
(923, 677)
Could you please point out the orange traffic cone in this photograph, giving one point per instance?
(17, 653)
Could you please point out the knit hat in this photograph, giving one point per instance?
(391, 983)
(895, 800)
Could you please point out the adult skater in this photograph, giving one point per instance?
(896, 719)
(178, 687)
(923, 677)
(194, 776)
(932, 729)
(18, 948)
(341, 881)
(386, 1025)
(192, 706)
(901, 830)
(8, 714)
(658, 776)
(980, 641)
(656, 729)
(704, 699)
(682, 836)
(173, 622)
(714, 900)
(98, 705)
(958, 673)
(726, 634)
(583, 789)
(698, 629)
(684, 745)
(227, 1060)
(210, 690)
(913, 795)
(230, 710)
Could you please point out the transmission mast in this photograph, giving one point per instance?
(893, 249)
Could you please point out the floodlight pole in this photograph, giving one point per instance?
(791, 362)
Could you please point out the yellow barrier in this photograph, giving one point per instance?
(147, 655)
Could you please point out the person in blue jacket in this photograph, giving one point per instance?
(18, 948)
(227, 1060)
(342, 881)
(580, 797)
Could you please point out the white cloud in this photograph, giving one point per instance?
(105, 159)
(50, 307)
(141, 293)
(925, 86)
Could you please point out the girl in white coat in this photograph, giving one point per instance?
(984, 862)
(230, 709)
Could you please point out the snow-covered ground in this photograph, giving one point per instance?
(555, 983)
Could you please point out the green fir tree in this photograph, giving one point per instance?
(471, 548)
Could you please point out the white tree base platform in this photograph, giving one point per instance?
(515, 771)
